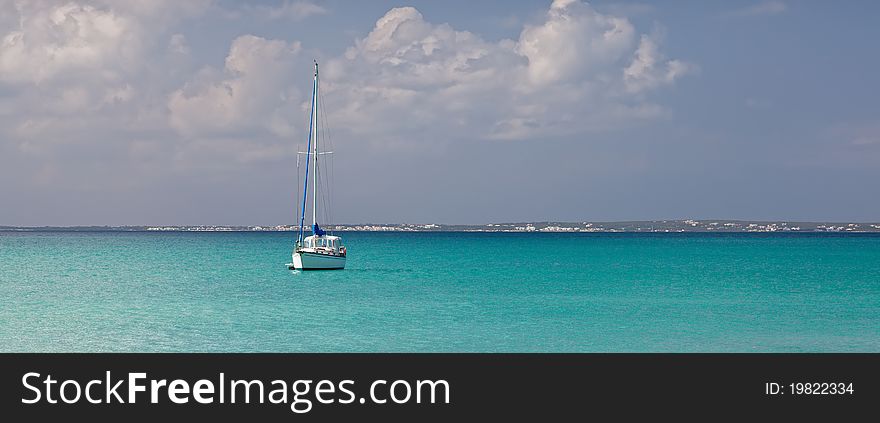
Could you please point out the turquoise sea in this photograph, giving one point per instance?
(222, 291)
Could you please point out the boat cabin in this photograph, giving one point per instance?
(324, 243)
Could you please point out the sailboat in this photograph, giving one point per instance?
(318, 251)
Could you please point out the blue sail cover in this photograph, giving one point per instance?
(317, 230)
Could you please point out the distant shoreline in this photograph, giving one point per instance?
(658, 226)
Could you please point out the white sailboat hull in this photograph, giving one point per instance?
(303, 260)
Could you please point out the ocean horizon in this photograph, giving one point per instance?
(641, 226)
(441, 291)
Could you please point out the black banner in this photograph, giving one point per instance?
(431, 386)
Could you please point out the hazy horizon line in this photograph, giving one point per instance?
(449, 224)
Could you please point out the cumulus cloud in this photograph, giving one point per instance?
(76, 39)
(82, 83)
(575, 70)
(574, 42)
(72, 58)
(250, 93)
(67, 39)
(649, 68)
(108, 78)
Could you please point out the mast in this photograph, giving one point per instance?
(312, 129)
(314, 118)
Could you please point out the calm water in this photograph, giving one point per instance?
(120, 291)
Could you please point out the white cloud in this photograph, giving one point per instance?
(72, 57)
(67, 38)
(244, 112)
(649, 68)
(250, 93)
(119, 78)
(44, 40)
(576, 70)
(574, 42)
(80, 81)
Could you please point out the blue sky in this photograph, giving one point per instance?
(169, 112)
